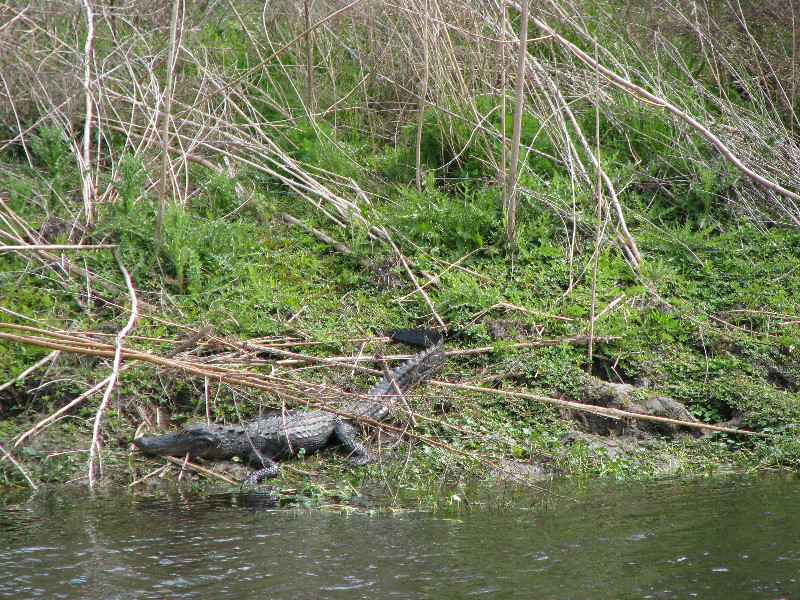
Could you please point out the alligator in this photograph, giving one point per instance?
(286, 433)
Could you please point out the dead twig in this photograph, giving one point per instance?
(421, 291)
(191, 342)
(434, 279)
(195, 467)
(50, 357)
(115, 370)
(58, 247)
(53, 417)
(85, 157)
(321, 235)
(156, 473)
(10, 457)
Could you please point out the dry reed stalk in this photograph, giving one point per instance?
(600, 201)
(115, 370)
(166, 115)
(52, 418)
(184, 464)
(519, 104)
(5, 248)
(49, 358)
(642, 95)
(423, 94)
(9, 456)
(309, 38)
(85, 156)
(613, 413)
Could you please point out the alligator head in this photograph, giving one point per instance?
(195, 440)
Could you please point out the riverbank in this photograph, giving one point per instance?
(302, 200)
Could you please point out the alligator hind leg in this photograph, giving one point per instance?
(268, 468)
(345, 434)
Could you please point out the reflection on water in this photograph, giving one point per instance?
(719, 538)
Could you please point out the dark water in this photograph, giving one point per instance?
(732, 538)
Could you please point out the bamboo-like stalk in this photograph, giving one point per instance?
(503, 176)
(85, 156)
(598, 193)
(166, 113)
(309, 59)
(423, 95)
(519, 104)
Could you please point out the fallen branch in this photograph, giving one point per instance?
(613, 413)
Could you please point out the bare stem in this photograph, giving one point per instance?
(85, 157)
(423, 94)
(10, 457)
(519, 104)
(165, 120)
(115, 370)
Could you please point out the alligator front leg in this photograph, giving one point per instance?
(266, 468)
(345, 434)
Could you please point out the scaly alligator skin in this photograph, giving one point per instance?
(285, 433)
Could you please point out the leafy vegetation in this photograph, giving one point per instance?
(265, 134)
